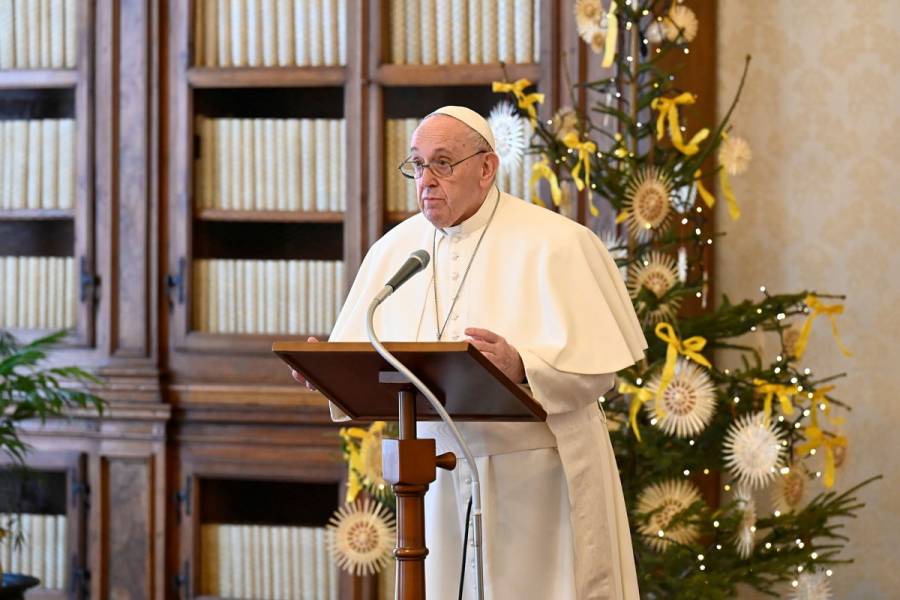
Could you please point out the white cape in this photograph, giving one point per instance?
(548, 285)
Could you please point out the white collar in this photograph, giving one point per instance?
(476, 221)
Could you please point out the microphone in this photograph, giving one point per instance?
(417, 261)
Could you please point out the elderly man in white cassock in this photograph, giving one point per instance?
(540, 297)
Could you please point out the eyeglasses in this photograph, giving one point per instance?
(414, 169)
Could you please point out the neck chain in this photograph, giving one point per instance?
(440, 328)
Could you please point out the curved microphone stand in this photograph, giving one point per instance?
(476, 481)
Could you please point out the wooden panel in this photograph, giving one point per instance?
(255, 77)
(17, 79)
(127, 529)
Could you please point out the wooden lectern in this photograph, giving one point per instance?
(362, 384)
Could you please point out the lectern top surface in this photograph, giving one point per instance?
(470, 387)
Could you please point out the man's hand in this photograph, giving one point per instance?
(498, 351)
(300, 378)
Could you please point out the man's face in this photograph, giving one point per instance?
(450, 200)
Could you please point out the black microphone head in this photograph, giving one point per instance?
(422, 256)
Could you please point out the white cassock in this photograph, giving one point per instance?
(555, 524)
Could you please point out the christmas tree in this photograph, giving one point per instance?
(731, 474)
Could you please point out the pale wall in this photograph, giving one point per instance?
(821, 206)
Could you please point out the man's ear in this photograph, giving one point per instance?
(490, 166)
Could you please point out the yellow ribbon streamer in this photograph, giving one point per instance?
(355, 466)
(785, 393)
(733, 208)
(639, 397)
(585, 150)
(816, 438)
(818, 308)
(612, 34)
(668, 111)
(525, 101)
(690, 348)
(542, 170)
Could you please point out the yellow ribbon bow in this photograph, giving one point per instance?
(612, 33)
(640, 396)
(784, 393)
(820, 309)
(525, 101)
(690, 348)
(733, 209)
(816, 438)
(353, 437)
(668, 110)
(819, 397)
(585, 150)
(542, 170)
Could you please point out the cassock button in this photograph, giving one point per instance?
(455, 256)
(455, 337)
(454, 276)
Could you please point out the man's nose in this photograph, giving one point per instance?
(428, 179)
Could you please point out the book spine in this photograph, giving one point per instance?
(329, 32)
(254, 34)
(70, 14)
(66, 157)
(285, 28)
(57, 34)
(223, 32)
(7, 35)
(321, 164)
(44, 32)
(238, 33)
(413, 29)
(301, 34)
(244, 149)
(524, 34)
(281, 152)
(489, 26)
(475, 29)
(506, 33)
(307, 162)
(269, 33)
(459, 31)
(315, 32)
(335, 167)
(49, 167)
(271, 164)
(443, 31)
(398, 32)
(342, 31)
(33, 195)
(428, 29)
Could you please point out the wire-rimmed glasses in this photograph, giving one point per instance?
(414, 169)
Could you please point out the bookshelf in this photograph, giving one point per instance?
(46, 211)
(223, 382)
(45, 508)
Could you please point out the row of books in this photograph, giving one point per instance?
(276, 563)
(37, 292)
(271, 164)
(444, 32)
(41, 554)
(38, 34)
(37, 164)
(257, 33)
(400, 192)
(267, 296)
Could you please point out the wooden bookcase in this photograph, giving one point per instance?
(54, 484)
(58, 93)
(205, 428)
